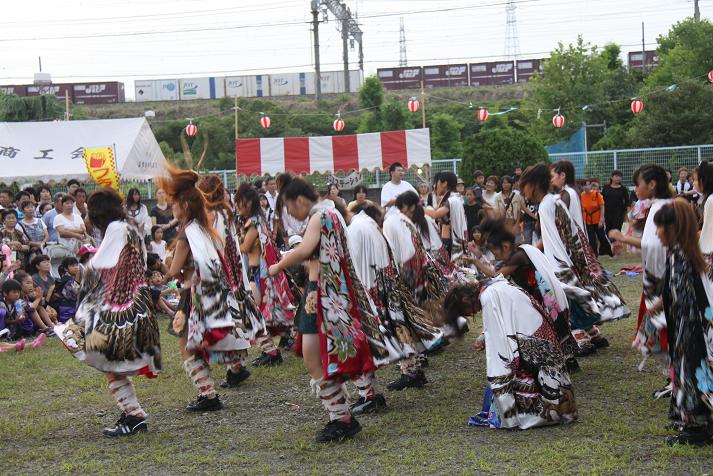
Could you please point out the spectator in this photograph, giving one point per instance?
(160, 293)
(162, 214)
(12, 315)
(12, 236)
(423, 191)
(271, 191)
(332, 194)
(529, 222)
(516, 174)
(489, 195)
(136, 211)
(359, 198)
(684, 187)
(33, 228)
(395, 187)
(258, 184)
(460, 187)
(50, 215)
(44, 208)
(158, 244)
(268, 212)
(72, 186)
(70, 227)
(33, 304)
(20, 197)
(80, 203)
(40, 266)
(478, 180)
(66, 290)
(43, 194)
(508, 204)
(6, 199)
(154, 263)
(472, 211)
(593, 215)
(86, 251)
(616, 202)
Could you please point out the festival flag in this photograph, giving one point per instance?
(101, 165)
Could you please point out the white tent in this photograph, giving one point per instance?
(47, 151)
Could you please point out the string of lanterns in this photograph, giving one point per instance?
(413, 105)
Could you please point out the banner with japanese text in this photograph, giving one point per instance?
(101, 166)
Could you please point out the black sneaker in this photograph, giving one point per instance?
(204, 404)
(126, 425)
(584, 350)
(268, 359)
(408, 381)
(286, 343)
(338, 430)
(572, 365)
(600, 342)
(423, 361)
(363, 406)
(688, 436)
(232, 380)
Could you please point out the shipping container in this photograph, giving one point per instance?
(57, 90)
(202, 88)
(445, 76)
(156, 90)
(493, 73)
(400, 78)
(245, 86)
(289, 84)
(333, 81)
(357, 78)
(98, 93)
(526, 69)
(636, 57)
(17, 90)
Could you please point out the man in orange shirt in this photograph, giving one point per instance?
(593, 214)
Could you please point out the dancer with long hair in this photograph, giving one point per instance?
(450, 214)
(212, 324)
(334, 344)
(593, 297)
(272, 293)
(114, 328)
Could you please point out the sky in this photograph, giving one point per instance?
(124, 40)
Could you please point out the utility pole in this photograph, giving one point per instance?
(512, 39)
(403, 61)
(349, 28)
(345, 53)
(696, 10)
(315, 31)
(643, 48)
(66, 104)
(39, 60)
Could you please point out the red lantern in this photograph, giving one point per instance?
(558, 121)
(191, 130)
(265, 121)
(482, 114)
(413, 104)
(637, 106)
(710, 76)
(338, 124)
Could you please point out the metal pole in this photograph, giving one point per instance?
(66, 105)
(361, 56)
(236, 119)
(643, 48)
(696, 10)
(423, 104)
(149, 190)
(315, 30)
(345, 54)
(616, 162)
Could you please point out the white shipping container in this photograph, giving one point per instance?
(244, 86)
(144, 90)
(166, 90)
(288, 84)
(202, 88)
(333, 81)
(355, 77)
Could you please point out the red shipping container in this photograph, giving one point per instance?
(98, 93)
(17, 90)
(526, 69)
(57, 90)
(400, 78)
(440, 76)
(635, 59)
(494, 73)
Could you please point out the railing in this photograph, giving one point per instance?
(600, 164)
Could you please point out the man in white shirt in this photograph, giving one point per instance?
(395, 187)
(271, 192)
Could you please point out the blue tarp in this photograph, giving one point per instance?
(575, 145)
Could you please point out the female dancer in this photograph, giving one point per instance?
(528, 267)
(224, 223)
(408, 329)
(450, 213)
(704, 172)
(334, 345)
(651, 184)
(687, 303)
(272, 293)
(563, 180)
(114, 329)
(593, 297)
(528, 383)
(212, 324)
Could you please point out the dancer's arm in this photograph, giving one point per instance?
(180, 256)
(304, 250)
(436, 214)
(617, 235)
(249, 239)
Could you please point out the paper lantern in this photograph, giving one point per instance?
(265, 121)
(413, 104)
(482, 114)
(710, 76)
(558, 121)
(637, 106)
(338, 124)
(191, 130)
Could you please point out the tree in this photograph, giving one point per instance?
(393, 116)
(499, 150)
(684, 53)
(445, 137)
(371, 94)
(38, 108)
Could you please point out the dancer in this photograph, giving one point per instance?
(450, 213)
(402, 320)
(272, 293)
(527, 267)
(528, 383)
(686, 301)
(650, 338)
(209, 321)
(704, 174)
(114, 328)
(563, 180)
(225, 226)
(593, 297)
(334, 345)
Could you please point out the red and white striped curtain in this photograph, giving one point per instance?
(342, 153)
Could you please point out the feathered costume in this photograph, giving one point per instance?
(528, 384)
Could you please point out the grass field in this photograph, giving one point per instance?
(52, 410)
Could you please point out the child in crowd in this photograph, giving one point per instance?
(158, 245)
(12, 314)
(86, 251)
(165, 298)
(64, 297)
(31, 297)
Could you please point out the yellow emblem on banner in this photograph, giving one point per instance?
(101, 165)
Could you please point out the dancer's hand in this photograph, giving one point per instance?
(479, 344)
(274, 270)
(616, 235)
(179, 321)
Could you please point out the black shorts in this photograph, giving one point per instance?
(306, 322)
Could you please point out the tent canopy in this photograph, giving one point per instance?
(47, 151)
